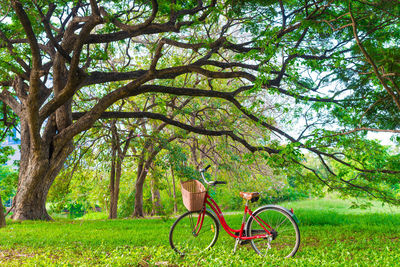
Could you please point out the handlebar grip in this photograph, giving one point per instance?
(220, 182)
(206, 168)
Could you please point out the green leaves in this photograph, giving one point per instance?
(5, 153)
(8, 182)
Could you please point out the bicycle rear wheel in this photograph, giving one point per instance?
(285, 238)
(185, 236)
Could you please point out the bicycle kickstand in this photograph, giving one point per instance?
(236, 244)
(243, 220)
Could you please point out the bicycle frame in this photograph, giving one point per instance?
(232, 232)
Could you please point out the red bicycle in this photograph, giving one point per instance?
(271, 229)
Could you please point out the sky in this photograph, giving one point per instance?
(383, 137)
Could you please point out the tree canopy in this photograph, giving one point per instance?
(329, 67)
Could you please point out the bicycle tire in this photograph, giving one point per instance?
(284, 242)
(182, 239)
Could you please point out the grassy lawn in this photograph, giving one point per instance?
(332, 234)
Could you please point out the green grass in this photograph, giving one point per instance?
(332, 234)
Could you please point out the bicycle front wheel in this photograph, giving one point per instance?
(284, 240)
(192, 234)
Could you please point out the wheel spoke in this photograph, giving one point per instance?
(276, 228)
(182, 237)
(285, 237)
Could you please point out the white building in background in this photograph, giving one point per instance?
(13, 141)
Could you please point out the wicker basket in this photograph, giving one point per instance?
(193, 194)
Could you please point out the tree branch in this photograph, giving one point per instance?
(34, 80)
(156, 116)
(10, 101)
(133, 28)
(371, 61)
(84, 123)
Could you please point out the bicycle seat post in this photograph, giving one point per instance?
(245, 212)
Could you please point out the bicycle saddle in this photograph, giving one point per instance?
(253, 196)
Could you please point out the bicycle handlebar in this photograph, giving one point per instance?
(218, 182)
(207, 182)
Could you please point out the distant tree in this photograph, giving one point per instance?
(2, 215)
(119, 149)
(155, 137)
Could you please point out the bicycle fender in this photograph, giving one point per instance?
(281, 208)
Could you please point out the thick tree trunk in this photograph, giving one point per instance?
(114, 189)
(34, 185)
(138, 212)
(38, 169)
(118, 156)
(143, 168)
(2, 216)
(41, 160)
(142, 174)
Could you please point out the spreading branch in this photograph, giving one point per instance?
(190, 128)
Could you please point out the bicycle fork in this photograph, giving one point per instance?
(196, 227)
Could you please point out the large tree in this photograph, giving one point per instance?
(51, 51)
